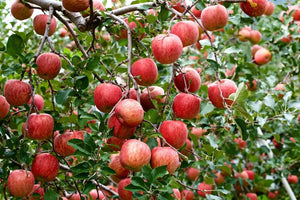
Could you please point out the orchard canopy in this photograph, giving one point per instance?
(149, 99)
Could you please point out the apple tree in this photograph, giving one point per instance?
(149, 99)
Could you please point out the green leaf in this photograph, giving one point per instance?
(163, 14)
(51, 195)
(62, 96)
(151, 142)
(232, 50)
(107, 171)
(159, 172)
(138, 181)
(269, 101)
(150, 19)
(81, 82)
(208, 179)
(212, 197)
(81, 167)
(147, 172)
(209, 149)
(242, 126)
(213, 64)
(206, 108)
(78, 145)
(241, 94)
(15, 45)
(240, 110)
(89, 141)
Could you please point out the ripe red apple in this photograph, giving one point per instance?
(134, 155)
(49, 65)
(38, 102)
(60, 143)
(20, 182)
(227, 87)
(75, 5)
(124, 35)
(187, 195)
(252, 86)
(242, 143)
(186, 106)
(187, 31)
(176, 194)
(220, 178)
(189, 78)
(166, 49)
(96, 194)
(177, 5)
(4, 107)
(123, 193)
(165, 156)
(45, 167)
(120, 130)
(254, 8)
(174, 132)
(262, 56)
(40, 23)
(63, 32)
(204, 189)
(144, 71)
(116, 165)
(37, 192)
(251, 196)
(193, 173)
(292, 140)
(77, 196)
(17, 92)
(292, 179)
(244, 35)
(39, 126)
(280, 87)
(106, 95)
(295, 12)
(277, 145)
(97, 6)
(254, 49)
(198, 132)
(214, 17)
(20, 11)
(251, 174)
(115, 144)
(196, 12)
(156, 94)
(272, 195)
(255, 36)
(129, 112)
(270, 8)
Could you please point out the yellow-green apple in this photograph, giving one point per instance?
(60, 142)
(187, 31)
(144, 71)
(292, 179)
(129, 112)
(97, 6)
(188, 149)
(188, 77)
(37, 192)
(193, 173)
(176, 194)
(244, 35)
(174, 132)
(178, 5)
(40, 24)
(187, 195)
(251, 174)
(39, 126)
(241, 143)
(16, 92)
(20, 182)
(156, 94)
(186, 106)
(20, 11)
(45, 167)
(165, 156)
(116, 165)
(96, 194)
(227, 87)
(4, 107)
(115, 144)
(281, 88)
(49, 65)
(196, 12)
(120, 130)
(254, 49)
(204, 188)
(134, 154)
(214, 17)
(38, 102)
(251, 196)
(255, 36)
(262, 56)
(254, 8)
(106, 96)
(123, 193)
(270, 8)
(166, 49)
(198, 132)
(219, 179)
(75, 5)
(252, 86)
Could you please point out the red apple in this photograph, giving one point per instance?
(156, 94)
(123, 193)
(251, 196)
(37, 192)
(40, 23)
(242, 143)
(174, 132)
(63, 32)
(292, 179)
(60, 143)
(187, 195)
(292, 140)
(196, 12)
(4, 107)
(166, 49)
(17, 92)
(134, 155)
(97, 6)
(277, 145)
(115, 144)
(254, 49)
(280, 87)
(45, 167)
(176, 194)
(251, 174)
(272, 195)
(295, 12)
(252, 86)
(230, 72)
(254, 8)
(144, 71)
(270, 8)
(49, 65)
(178, 5)
(188, 148)
(20, 182)
(193, 173)
(244, 35)
(198, 132)
(187, 31)
(186, 106)
(204, 189)
(220, 178)
(189, 78)
(120, 130)
(129, 112)
(75, 5)
(214, 17)
(39, 126)
(77, 196)
(165, 156)
(96, 195)
(20, 11)
(106, 95)
(227, 87)
(262, 56)
(38, 102)
(116, 165)
(124, 35)
(255, 36)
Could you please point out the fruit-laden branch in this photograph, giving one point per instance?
(232, 1)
